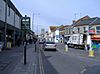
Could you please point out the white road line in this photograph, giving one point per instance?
(83, 71)
(41, 64)
(35, 68)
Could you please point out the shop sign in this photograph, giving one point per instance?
(92, 30)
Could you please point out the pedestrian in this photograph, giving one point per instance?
(35, 40)
(18, 42)
(85, 44)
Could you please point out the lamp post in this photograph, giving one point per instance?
(38, 28)
(33, 19)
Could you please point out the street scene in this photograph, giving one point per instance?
(49, 37)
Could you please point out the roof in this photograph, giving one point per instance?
(12, 6)
(61, 27)
(88, 21)
(83, 18)
(53, 28)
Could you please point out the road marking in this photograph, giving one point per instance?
(41, 63)
(83, 71)
(35, 68)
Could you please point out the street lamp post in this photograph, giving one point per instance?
(38, 29)
(33, 19)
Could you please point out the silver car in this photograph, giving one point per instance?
(50, 45)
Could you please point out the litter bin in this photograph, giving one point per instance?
(8, 44)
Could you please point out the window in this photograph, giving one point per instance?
(57, 36)
(84, 29)
(66, 30)
(0, 13)
(98, 29)
(8, 11)
(78, 30)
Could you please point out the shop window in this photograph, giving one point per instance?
(98, 29)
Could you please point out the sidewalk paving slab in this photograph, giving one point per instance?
(30, 67)
(11, 61)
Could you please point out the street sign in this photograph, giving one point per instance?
(92, 30)
(25, 22)
(25, 25)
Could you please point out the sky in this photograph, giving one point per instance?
(56, 12)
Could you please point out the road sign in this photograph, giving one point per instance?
(25, 22)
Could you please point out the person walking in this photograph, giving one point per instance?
(18, 42)
(85, 44)
(35, 42)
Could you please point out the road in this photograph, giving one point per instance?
(60, 62)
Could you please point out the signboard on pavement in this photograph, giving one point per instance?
(25, 22)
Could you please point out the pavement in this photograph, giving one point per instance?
(30, 67)
(78, 52)
(11, 61)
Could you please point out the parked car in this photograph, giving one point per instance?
(1, 45)
(50, 45)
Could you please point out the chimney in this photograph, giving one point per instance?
(74, 21)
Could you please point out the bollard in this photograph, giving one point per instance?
(91, 53)
(8, 44)
(66, 48)
(35, 47)
(25, 53)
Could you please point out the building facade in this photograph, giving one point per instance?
(10, 19)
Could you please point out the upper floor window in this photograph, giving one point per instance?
(66, 31)
(8, 11)
(0, 13)
(78, 29)
(84, 29)
(98, 29)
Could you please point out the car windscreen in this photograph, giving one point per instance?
(50, 42)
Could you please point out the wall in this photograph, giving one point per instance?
(17, 22)
(2, 10)
(10, 16)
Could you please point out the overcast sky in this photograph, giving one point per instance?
(57, 12)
